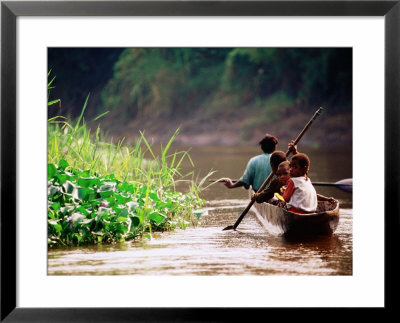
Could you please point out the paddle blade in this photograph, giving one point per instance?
(345, 185)
(229, 227)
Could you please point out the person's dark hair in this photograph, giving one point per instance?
(303, 160)
(284, 163)
(276, 158)
(268, 143)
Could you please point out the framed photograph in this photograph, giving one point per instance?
(369, 29)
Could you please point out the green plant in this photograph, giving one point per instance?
(100, 192)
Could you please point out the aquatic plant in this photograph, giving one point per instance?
(86, 208)
(99, 191)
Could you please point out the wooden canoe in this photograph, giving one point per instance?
(279, 220)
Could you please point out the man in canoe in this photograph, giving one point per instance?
(259, 167)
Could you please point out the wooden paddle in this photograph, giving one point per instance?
(344, 184)
(233, 227)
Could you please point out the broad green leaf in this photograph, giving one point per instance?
(68, 187)
(85, 181)
(143, 190)
(83, 210)
(85, 173)
(51, 171)
(55, 206)
(84, 194)
(157, 217)
(107, 189)
(55, 225)
(125, 187)
(111, 177)
(62, 177)
(153, 196)
(136, 221)
(103, 211)
(53, 191)
(124, 212)
(63, 164)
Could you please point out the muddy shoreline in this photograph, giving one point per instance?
(333, 131)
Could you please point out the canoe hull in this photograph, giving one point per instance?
(278, 220)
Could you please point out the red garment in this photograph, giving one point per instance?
(288, 193)
(289, 190)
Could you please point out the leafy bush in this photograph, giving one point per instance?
(101, 192)
(85, 208)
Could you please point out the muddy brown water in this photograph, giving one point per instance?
(207, 250)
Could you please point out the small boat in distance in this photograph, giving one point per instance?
(278, 220)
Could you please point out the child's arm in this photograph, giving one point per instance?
(268, 193)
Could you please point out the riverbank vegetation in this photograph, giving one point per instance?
(105, 192)
(223, 93)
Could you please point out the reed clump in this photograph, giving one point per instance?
(105, 192)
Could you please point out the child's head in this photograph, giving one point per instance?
(268, 143)
(299, 165)
(283, 172)
(277, 157)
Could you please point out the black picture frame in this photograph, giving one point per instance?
(10, 10)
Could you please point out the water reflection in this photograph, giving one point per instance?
(207, 250)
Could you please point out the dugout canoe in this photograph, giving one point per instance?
(278, 220)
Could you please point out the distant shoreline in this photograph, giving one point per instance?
(332, 131)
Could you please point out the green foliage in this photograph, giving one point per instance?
(49, 87)
(83, 208)
(79, 71)
(170, 82)
(104, 192)
(267, 111)
(162, 81)
(139, 85)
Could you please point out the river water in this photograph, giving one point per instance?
(208, 250)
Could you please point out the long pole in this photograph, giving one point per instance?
(233, 227)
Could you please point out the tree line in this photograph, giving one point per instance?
(134, 83)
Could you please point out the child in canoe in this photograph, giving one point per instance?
(279, 165)
(300, 194)
(275, 184)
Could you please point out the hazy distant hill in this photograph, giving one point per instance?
(215, 95)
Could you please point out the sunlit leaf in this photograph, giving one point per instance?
(157, 217)
(51, 171)
(63, 164)
(68, 187)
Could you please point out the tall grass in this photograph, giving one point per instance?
(101, 191)
(90, 151)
